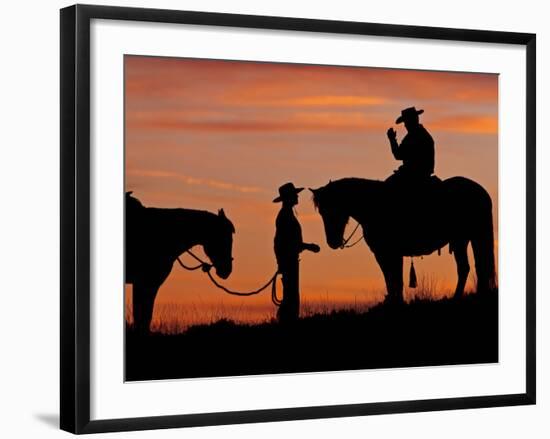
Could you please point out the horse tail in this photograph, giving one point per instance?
(484, 248)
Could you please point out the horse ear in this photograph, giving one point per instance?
(313, 191)
(221, 213)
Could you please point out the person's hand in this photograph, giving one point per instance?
(314, 248)
(392, 134)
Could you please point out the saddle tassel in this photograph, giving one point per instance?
(412, 276)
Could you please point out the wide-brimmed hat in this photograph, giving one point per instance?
(286, 191)
(408, 113)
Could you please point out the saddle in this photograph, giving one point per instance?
(416, 207)
(409, 189)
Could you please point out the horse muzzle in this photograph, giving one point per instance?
(335, 244)
(223, 273)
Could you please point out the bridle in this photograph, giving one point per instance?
(348, 239)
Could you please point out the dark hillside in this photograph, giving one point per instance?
(421, 333)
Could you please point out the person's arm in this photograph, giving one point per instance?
(310, 247)
(392, 137)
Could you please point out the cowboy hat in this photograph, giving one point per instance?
(286, 191)
(408, 113)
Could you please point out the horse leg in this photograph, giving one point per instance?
(462, 266)
(143, 301)
(392, 267)
(485, 264)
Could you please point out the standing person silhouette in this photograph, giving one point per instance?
(288, 245)
(416, 149)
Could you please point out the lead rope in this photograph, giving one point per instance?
(206, 267)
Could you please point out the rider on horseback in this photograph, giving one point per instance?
(416, 150)
(411, 184)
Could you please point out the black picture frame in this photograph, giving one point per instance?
(75, 217)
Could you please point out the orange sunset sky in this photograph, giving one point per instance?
(207, 134)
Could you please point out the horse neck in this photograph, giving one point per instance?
(363, 199)
(193, 227)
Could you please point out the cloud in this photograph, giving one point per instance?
(466, 124)
(216, 184)
(257, 121)
(237, 83)
(325, 101)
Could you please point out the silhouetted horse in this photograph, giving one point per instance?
(156, 237)
(460, 213)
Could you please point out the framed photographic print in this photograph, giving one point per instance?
(268, 218)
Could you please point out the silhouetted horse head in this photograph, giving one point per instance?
(219, 243)
(330, 205)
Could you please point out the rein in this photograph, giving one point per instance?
(206, 267)
(348, 239)
(412, 273)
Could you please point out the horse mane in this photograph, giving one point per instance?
(344, 188)
(133, 203)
